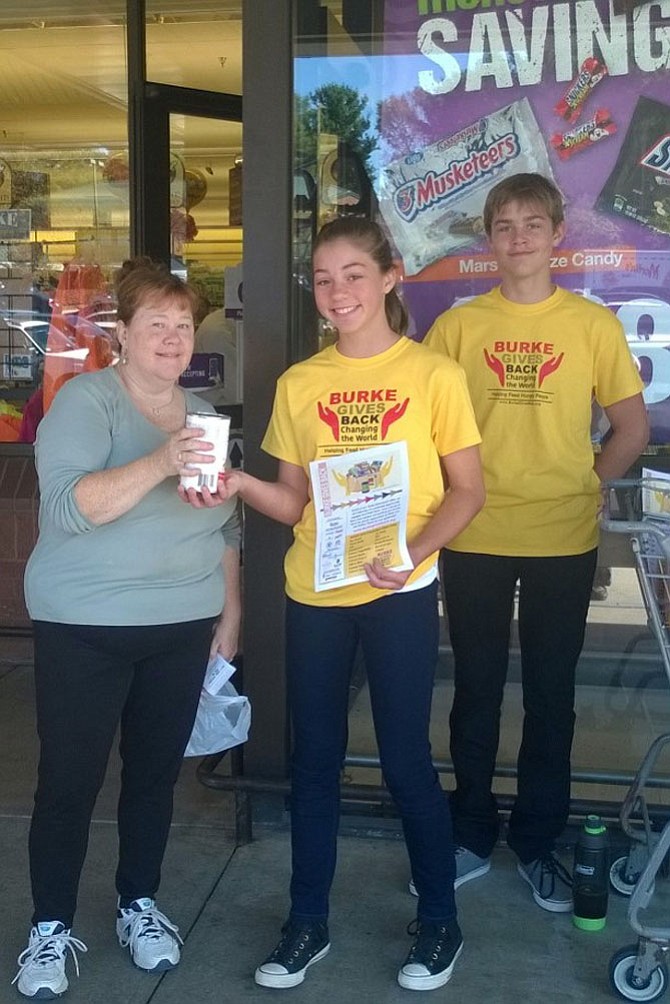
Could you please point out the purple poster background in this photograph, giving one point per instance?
(445, 69)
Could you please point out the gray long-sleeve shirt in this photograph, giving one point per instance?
(160, 562)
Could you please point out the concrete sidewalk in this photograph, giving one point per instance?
(230, 903)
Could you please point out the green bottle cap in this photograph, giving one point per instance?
(594, 824)
(589, 924)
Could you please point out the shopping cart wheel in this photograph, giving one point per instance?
(620, 880)
(622, 965)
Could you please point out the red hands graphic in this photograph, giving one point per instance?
(392, 415)
(549, 367)
(495, 364)
(328, 416)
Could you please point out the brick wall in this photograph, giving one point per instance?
(18, 533)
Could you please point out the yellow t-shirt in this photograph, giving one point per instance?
(332, 404)
(532, 371)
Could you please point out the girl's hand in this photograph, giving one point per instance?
(228, 486)
(382, 577)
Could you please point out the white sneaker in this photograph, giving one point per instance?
(152, 939)
(42, 964)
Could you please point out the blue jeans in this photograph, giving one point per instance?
(554, 594)
(399, 638)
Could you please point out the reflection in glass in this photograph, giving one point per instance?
(205, 198)
(378, 110)
(64, 213)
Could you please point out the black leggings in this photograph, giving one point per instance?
(88, 679)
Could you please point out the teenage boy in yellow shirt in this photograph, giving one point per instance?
(535, 355)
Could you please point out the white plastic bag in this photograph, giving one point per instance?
(222, 721)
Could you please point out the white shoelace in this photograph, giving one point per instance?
(150, 923)
(48, 949)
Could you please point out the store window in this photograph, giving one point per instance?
(408, 111)
(64, 221)
(64, 189)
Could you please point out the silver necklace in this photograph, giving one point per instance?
(155, 409)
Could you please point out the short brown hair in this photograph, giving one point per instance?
(141, 278)
(533, 188)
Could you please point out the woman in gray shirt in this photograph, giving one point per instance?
(130, 590)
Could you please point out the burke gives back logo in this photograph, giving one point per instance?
(522, 365)
(361, 416)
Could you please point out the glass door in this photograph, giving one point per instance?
(189, 213)
(205, 210)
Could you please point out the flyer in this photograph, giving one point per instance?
(360, 502)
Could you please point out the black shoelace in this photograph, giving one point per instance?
(297, 942)
(552, 867)
(431, 939)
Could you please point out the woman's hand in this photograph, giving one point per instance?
(226, 634)
(103, 496)
(184, 451)
(382, 577)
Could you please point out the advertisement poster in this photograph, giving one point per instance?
(360, 501)
(474, 90)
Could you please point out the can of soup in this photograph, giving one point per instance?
(216, 430)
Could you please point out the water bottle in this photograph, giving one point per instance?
(590, 877)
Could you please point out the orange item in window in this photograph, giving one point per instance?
(9, 429)
(74, 344)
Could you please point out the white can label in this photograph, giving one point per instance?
(216, 430)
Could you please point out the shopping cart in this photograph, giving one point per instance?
(641, 509)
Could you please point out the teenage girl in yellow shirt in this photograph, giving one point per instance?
(407, 393)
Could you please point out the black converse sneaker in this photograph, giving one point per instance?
(433, 955)
(303, 943)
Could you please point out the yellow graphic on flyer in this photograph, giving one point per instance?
(364, 477)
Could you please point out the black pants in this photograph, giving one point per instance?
(554, 598)
(89, 679)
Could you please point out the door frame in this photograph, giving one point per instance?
(150, 146)
(267, 182)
